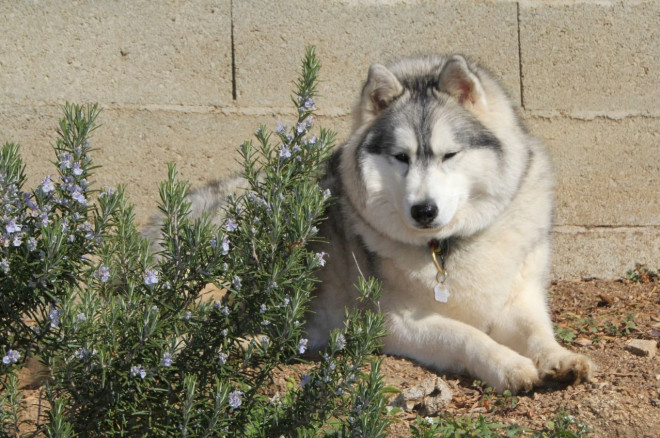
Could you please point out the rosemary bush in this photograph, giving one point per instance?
(132, 345)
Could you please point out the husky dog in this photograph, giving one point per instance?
(444, 197)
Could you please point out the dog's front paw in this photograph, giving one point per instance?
(516, 373)
(565, 366)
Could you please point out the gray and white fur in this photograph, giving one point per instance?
(438, 155)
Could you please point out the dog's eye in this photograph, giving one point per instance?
(402, 157)
(449, 156)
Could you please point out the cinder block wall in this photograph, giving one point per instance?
(188, 81)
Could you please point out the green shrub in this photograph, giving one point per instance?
(133, 347)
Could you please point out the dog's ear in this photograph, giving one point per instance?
(380, 90)
(457, 80)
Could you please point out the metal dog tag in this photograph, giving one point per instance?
(441, 292)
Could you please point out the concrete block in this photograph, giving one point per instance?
(127, 52)
(270, 39)
(602, 252)
(591, 57)
(134, 146)
(608, 171)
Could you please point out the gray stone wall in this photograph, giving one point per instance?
(188, 81)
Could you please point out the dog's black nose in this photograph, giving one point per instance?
(424, 213)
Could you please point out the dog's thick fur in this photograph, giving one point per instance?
(437, 154)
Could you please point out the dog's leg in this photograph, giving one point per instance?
(447, 344)
(525, 326)
(529, 332)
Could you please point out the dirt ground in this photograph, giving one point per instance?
(597, 318)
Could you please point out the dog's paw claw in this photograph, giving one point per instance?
(566, 366)
(516, 375)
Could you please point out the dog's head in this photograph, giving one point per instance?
(437, 149)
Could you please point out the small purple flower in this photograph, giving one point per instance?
(280, 127)
(88, 229)
(47, 185)
(235, 399)
(54, 315)
(320, 258)
(263, 308)
(76, 169)
(222, 358)
(31, 244)
(107, 191)
(225, 245)
(300, 128)
(217, 305)
(302, 345)
(29, 202)
(258, 200)
(305, 379)
(187, 316)
(166, 360)
(138, 370)
(151, 277)
(285, 152)
(66, 161)
(81, 317)
(78, 195)
(44, 219)
(103, 273)
(11, 357)
(341, 342)
(231, 225)
(236, 282)
(82, 353)
(13, 227)
(265, 342)
(309, 103)
(17, 240)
